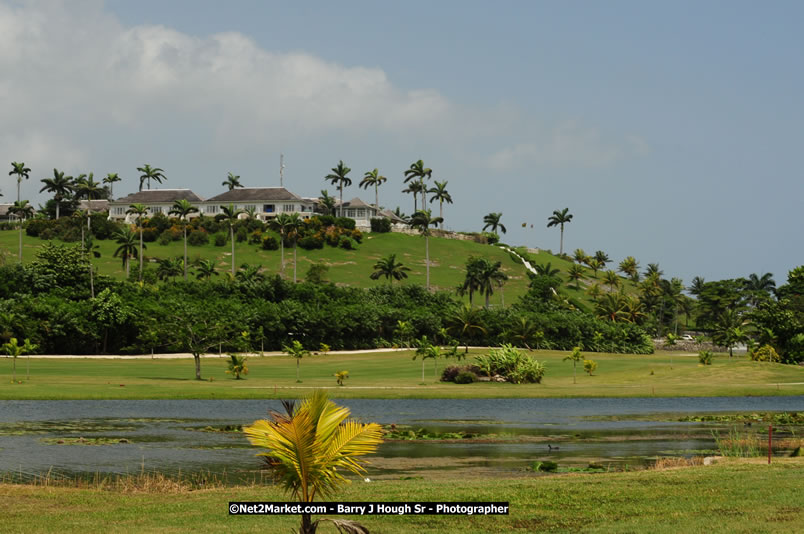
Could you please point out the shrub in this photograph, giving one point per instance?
(765, 353)
(35, 227)
(380, 225)
(512, 364)
(316, 273)
(451, 372)
(326, 220)
(269, 242)
(149, 234)
(347, 243)
(345, 222)
(241, 234)
(705, 357)
(589, 366)
(220, 239)
(311, 242)
(491, 237)
(198, 238)
(255, 237)
(357, 235)
(465, 377)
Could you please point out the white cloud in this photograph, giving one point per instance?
(570, 144)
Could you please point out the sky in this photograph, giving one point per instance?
(673, 131)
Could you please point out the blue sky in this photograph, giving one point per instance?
(672, 131)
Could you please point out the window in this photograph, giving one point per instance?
(289, 207)
(250, 207)
(155, 209)
(361, 213)
(268, 208)
(119, 211)
(212, 209)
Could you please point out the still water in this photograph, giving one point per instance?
(165, 435)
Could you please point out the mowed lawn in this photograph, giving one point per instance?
(346, 267)
(391, 375)
(737, 496)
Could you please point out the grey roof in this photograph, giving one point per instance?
(355, 203)
(160, 195)
(255, 194)
(393, 216)
(4, 209)
(97, 205)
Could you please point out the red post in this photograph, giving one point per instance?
(770, 441)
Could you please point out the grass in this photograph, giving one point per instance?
(391, 375)
(730, 496)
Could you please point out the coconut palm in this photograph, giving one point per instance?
(560, 218)
(249, 274)
(373, 178)
(612, 307)
(611, 279)
(140, 210)
(14, 349)
(326, 202)
(728, 329)
(182, 208)
(594, 291)
(86, 187)
(205, 269)
(296, 350)
(414, 188)
(127, 249)
(580, 256)
(653, 269)
(490, 275)
(251, 212)
(231, 214)
(440, 194)
(546, 269)
(422, 220)
(21, 209)
(759, 288)
(603, 258)
(696, 288)
(92, 251)
(390, 269)
(60, 185)
(594, 264)
(338, 177)
(472, 279)
(576, 272)
(630, 267)
(418, 170)
(22, 172)
(237, 366)
(465, 321)
(151, 173)
(492, 221)
(310, 446)
(110, 179)
(281, 224)
(232, 181)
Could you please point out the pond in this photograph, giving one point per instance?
(128, 436)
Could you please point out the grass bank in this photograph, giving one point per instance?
(391, 375)
(730, 496)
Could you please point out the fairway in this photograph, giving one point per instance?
(390, 375)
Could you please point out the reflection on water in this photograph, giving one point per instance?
(164, 434)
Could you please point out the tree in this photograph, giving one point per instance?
(22, 172)
(110, 179)
(249, 274)
(576, 357)
(294, 226)
(127, 241)
(231, 214)
(390, 269)
(237, 366)
(205, 269)
(759, 288)
(611, 279)
(697, 286)
(728, 331)
(546, 269)
(560, 218)
(422, 220)
(340, 376)
(418, 170)
(61, 186)
(415, 188)
(198, 328)
(576, 272)
(151, 173)
(471, 281)
(140, 211)
(373, 178)
(182, 208)
(612, 307)
(21, 209)
(338, 177)
(425, 350)
(630, 267)
(464, 322)
(309, 447)
(87, 187)
(14, 349)
(296, 350)
(326, 202)
(169, 268)
(653, 269)
(493, 220)
(489, 275)
(441, 194)
(602, 257)
(594, 264)
(580, 256)
(282, 225)
(232, 181)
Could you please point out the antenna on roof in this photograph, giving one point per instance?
(281, 170)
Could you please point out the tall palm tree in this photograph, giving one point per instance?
(490, 275)
(127, 249)
(92, 251)
(151, 173)
(373, 178)
(232, 181)
(422, 220)
(418, 170)
(294, 226)
(472, 279)
(59, 185)
(441, 194)
(21, 171)
(390, 269)
(21, 209)
(560, 218)
(414, 188)
(140, 210)
(603, 258)
(696, 288)
(308, 448)
(182, 208)
(492, 221)
(110, 179)
(205, 269)
(281, 224)
(338, 177)
(653, 269)
(327, 202)
(231, 215)
(576, 272)
(87, 187)
(759, 287)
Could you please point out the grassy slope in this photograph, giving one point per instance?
(735, 496)
(392, 375)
